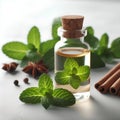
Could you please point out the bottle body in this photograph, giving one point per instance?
(72, 58)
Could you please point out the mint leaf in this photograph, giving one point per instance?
(45, 82)
(47, 45)
(70, 63)
(74, 70)
(72, 74)
(105, 54)
(90, 30)
(45, 102)
(55, 25)
(31, 47)
(31, 56)
(101, 50)
(115, 48)
(83, 72)
(104, 40)
(15, 50)
(108, 57)
(90, 38)
(75, 81)
(48, 59)
(96, 61)
(34, 37)
(31, 95)
(92, 41)
(62, 78)
(62, 98)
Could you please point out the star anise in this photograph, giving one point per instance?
(11, 67)
(35, 69)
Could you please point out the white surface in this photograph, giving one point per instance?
(17, 17)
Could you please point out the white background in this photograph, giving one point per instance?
(17, 17)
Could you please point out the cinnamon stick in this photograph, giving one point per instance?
(115, 87)
(107, 84)
(108, 75)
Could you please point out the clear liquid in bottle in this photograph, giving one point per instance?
(82, 56)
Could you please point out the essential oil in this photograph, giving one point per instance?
(72, 46)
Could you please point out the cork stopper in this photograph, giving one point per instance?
(72, 22)
(72, 25)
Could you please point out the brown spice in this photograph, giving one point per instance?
(107, 84)
(16, 83)
(108, 75)
(115, 87)
(35, 69)
(11, 67)
(26, 81)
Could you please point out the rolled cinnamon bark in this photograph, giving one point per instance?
(108, 75)
(104, 88)
(115, 87)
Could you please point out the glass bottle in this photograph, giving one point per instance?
(72, 58)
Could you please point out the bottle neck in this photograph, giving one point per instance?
(72, 34)
(73, 38)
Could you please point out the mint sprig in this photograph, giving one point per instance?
(72, 73)
(34, 50)
(101, 53)
(46, 94)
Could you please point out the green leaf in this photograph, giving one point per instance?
(31, 95)
(62, 98)
(101, 50)
(47, 45)
(45, 102)
(34, 37)
(75, 81)
(96, 61)
(15, 50)
(90, 30)
(92, 41)
(31, 56)
(45, 82)
(70, 63)
(48, 59)
(104, 40)
(31, 47)
(55, 25)
(62, 77)
(84, 72)
(115, 47)
(108, 58)
(74, 71)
